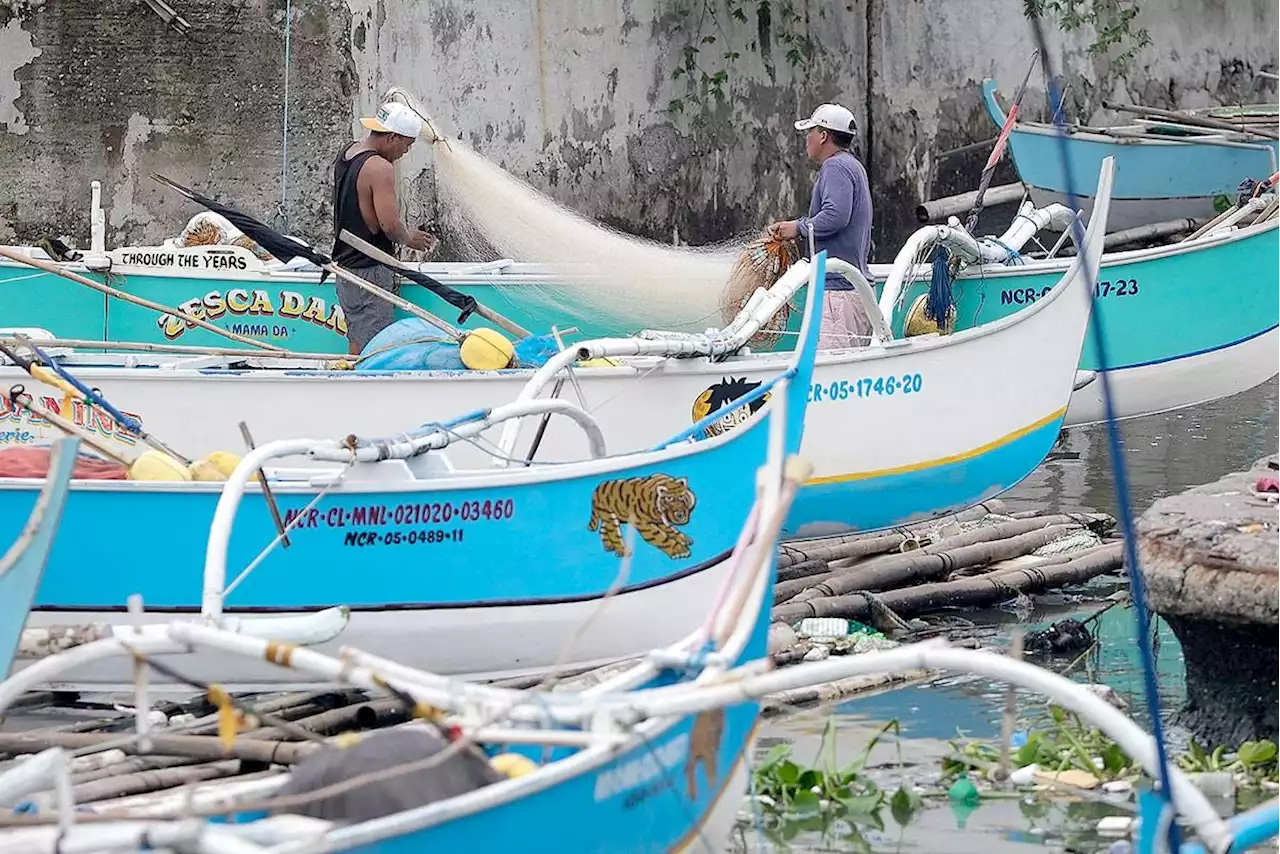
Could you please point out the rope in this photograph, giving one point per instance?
(1015, 257)
(884, 617)
(1123, 498)
(282, 213)
(1079, 541)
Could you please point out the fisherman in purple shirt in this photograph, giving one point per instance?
(839, 219)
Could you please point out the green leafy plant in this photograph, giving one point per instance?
(1255, 760)
(1112, 21)
(838, 791)
(1061, 743)
(716, 32)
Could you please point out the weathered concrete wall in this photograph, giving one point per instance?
(105, 90)
(572, 96)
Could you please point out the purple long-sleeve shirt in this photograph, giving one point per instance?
(840, 216)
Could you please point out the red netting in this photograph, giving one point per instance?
(33, 461)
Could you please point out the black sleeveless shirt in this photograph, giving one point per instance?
(346, 213)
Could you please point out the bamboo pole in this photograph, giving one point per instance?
(185, 349)
(288, 707)
(133, 765)
(391, 261)
(979, 590)
(130, 298)
(889, 567)
(191, 746)
(937, 210)
(1151, 231)
(829, 548)
(398, 301)
(842, 689)
(1188, 119)
(367, 714)
(143, 782)
(920, 566)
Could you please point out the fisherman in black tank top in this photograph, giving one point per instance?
(364, 203)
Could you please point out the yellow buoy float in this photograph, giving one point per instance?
(512, 765)
(157, 467)
(214, 467)
(918, 321)
(486, 349)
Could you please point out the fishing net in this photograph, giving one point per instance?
(760, 263)
(33, 461)
(212, 229)
(593, 268)
(390, 791)
(627, 281)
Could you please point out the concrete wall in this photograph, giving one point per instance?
(571, 96)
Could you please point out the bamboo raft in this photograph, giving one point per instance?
(847, 595)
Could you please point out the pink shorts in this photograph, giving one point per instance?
(844, 322)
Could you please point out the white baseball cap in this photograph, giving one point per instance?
(832, 117)
(394, 117)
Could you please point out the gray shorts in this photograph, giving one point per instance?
(367, 314)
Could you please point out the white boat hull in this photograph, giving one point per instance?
(477, 643)
(1179, 383)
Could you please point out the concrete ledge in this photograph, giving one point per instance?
(1209, 558)
(1211, 552)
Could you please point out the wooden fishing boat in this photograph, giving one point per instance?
(409, 551)
(603, 767)
(1145, 299)
(284, 305)
(1183, 324)
(875, 428)
(22, 566)
(1165, 170)
(653, 757)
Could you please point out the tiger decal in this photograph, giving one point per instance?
(657, 506)
(704, 749)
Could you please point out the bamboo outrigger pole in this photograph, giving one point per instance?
(396, 264)
(285, 248)
(989, 170)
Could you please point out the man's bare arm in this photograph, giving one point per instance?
(382, 182)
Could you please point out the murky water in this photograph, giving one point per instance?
(1163, 454)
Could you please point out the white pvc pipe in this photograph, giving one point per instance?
(957, 239)
(154, 641)
(1028, 221)
(31, 774)
(401, 448)
(224, 516)
(728, 340)
(880, 331)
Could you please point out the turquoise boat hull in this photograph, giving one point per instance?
(293, 312)
(1181, 325)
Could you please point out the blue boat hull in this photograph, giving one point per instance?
(22, 566)
(513, 569)
(1156, 179)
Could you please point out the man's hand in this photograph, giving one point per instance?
(787, 230)
(420, 240)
